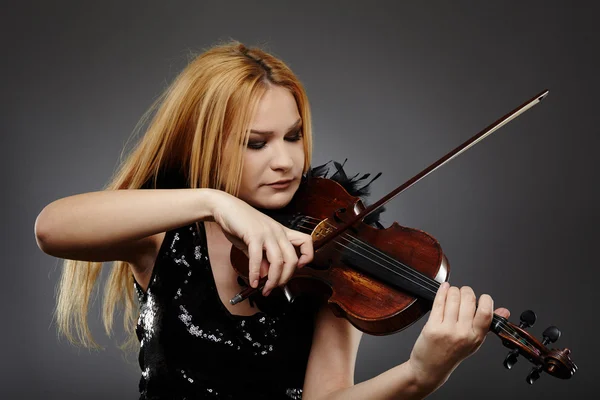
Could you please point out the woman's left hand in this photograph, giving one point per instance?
(456, 328)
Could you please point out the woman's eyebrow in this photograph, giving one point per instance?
(295, 126)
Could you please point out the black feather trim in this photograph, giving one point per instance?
(354, 185)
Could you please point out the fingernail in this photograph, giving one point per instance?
(255, 283)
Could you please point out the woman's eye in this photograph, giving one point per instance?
(256, 145)
(294, 138)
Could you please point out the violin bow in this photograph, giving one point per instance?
(443, 160)
(352, 219)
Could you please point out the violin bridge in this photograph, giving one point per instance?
(323, 229)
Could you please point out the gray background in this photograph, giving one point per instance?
(393, 86)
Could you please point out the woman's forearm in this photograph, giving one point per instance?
(400, 382)
(76, 224)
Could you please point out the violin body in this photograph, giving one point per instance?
(351, 276)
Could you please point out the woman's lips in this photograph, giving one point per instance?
(282, 184)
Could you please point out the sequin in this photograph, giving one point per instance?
(295, 394)
(192, 347)
(147, 316)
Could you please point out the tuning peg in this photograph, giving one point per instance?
(528, 318)
(551, 335)
(534, 375)
(511, 358)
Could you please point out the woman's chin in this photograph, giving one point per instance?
(274, 202)
(271, 199)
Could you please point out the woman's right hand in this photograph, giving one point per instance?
(456, 328)
(254, 232)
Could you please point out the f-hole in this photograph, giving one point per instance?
(337, 213)
(338, 218)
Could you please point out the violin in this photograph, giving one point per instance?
(384, 280)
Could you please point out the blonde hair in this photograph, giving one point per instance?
(208, 108)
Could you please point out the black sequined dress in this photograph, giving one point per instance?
(192, 347)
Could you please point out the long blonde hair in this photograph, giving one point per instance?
(208, 108)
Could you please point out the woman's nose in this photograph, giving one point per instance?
(282, 159)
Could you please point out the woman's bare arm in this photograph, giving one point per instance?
(124, 225)
(330, 370)
(104, 225)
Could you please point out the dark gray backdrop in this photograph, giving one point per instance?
(393, 86)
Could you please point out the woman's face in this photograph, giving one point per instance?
(274, 158)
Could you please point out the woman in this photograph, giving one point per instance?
(231, 136)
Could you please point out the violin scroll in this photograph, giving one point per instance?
(555, 362)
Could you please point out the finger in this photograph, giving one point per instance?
(484, 314)
(290, 259)
(288, 269)
(437, 309)
(304, 243)
(503, 312)
(264, 266)
(467, 307)
(287, 273)
(275, 263)
(255, 256)
(237, 242)
(452, 305)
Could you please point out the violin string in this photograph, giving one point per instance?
(415, 274)
(433, 284)
(359, 243)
